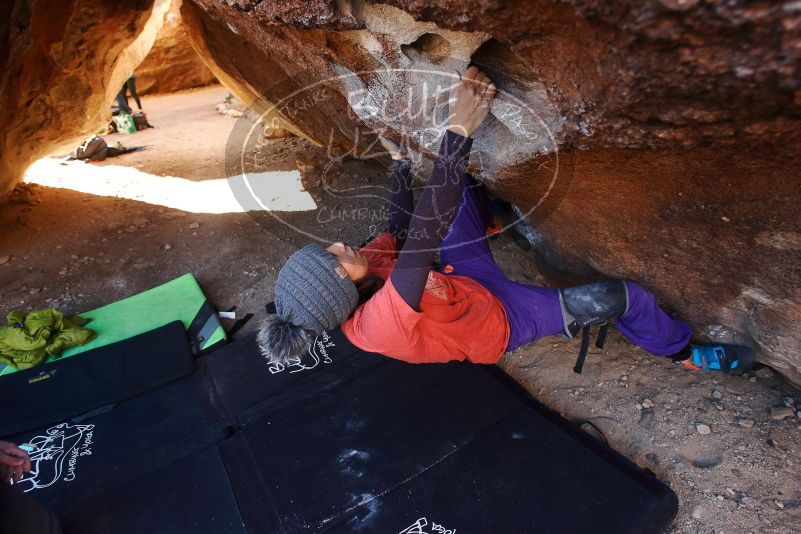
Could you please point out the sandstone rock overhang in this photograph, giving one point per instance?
(653, 140)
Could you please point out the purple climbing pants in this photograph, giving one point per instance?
(534, 312)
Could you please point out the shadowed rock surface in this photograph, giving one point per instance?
(652, 140)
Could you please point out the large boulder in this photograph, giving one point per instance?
(654, 140)
(172, 64)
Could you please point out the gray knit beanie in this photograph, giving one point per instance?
(314, 293)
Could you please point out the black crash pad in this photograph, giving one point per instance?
(342, 442)
(68, 387)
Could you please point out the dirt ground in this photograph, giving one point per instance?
(710, 437)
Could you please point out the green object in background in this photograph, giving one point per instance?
(180, 299)
(125, 123)
(30, 339)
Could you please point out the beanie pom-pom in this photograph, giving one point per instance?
(281, 340)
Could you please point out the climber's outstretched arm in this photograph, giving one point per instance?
(470, 103)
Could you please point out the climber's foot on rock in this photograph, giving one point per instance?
(731, 359)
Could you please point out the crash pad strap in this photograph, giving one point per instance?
(202, 326)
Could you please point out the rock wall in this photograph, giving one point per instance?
(172, 64)
(653, 140)
(133, 54)
(623, 74)
(714, 231)
(62, 62)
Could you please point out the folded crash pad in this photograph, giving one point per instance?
(180, 299)
(81, 460)
(106, 375)
(342, 441)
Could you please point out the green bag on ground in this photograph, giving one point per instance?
(125, 123)
(180, 299)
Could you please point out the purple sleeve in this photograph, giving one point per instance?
(401, 201)
(432, 218)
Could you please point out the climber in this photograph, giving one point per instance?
(394, 303)
(122, 96)
(95, 148)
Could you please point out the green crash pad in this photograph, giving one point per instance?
(180, 299)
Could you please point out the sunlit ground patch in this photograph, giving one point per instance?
(278, 190)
